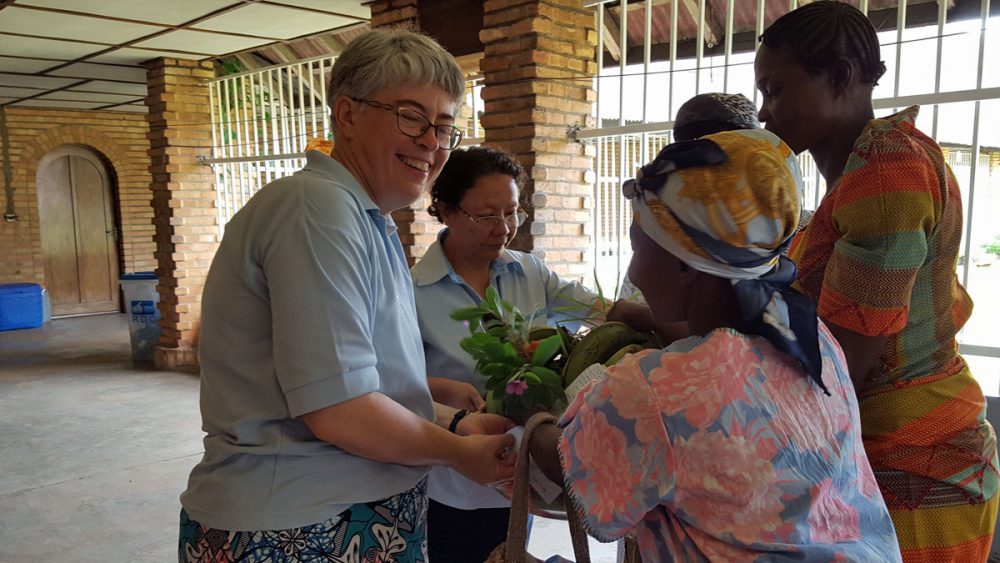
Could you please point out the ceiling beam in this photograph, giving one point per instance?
(333, 45)
(249, 61)
(611, 34)
(692, 9)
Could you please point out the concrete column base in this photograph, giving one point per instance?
(177, 359)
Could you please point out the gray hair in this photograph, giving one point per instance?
(383, 58)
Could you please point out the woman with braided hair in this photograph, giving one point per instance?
(879, 260)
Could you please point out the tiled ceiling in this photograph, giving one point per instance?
(87, 54)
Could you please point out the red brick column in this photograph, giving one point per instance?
(537, 67)
(184, 196)
(417, 229)
(394, 13)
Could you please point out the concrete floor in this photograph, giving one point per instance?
(96, 450)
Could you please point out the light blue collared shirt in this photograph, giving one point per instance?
(522, 280)
(308, 303)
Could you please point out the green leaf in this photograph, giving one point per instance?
(532, 378)
(515, 362)
(497, 386)
(483, 338)
(597, 284)
(549, 377)
(511, 352)
(495, 368)
(499, 331)
(468, 314)
(493, 300)
(471, 347)
(546, 349)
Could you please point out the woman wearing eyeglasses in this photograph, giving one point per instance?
(320, 427)
(476, 197)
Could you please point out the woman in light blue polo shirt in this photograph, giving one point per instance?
(476, 197)
(320, 428)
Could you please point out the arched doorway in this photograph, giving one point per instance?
(79, 231)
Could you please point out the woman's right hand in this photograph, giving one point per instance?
(487, 459)
(457, 394)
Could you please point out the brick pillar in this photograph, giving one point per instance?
(394, 13)
(184, 213)
(417, 229)
(537, 68)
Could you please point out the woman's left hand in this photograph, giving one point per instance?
(636, 315)
(457, 394)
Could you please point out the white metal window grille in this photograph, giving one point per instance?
(960, 109)
(262, 121)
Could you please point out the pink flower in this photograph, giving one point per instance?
(516, 387)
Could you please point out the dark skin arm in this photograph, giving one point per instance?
(640, 317)
(860, 351)
(544, 451)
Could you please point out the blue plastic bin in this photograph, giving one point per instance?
(21, 306)
(140, 305)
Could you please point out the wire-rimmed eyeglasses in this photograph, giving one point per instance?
(413, 124)
(512, 221)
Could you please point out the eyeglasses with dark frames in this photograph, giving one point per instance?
(513, 221)
(413, 124)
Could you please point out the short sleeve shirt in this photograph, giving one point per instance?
(522, 280)
(308, 303)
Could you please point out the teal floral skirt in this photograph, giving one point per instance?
(392, 530)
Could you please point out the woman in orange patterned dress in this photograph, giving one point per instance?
(879, 260)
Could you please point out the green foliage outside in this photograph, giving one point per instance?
(993, 247)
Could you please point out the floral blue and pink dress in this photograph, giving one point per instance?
(718, 448)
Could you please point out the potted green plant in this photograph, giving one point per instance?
(529, 367)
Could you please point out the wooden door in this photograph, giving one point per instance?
(79, 236)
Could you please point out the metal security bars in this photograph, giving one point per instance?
(261, 123)
(665, 51)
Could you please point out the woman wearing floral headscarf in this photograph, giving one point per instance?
(742, 441)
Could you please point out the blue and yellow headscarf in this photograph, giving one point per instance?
(728, 205)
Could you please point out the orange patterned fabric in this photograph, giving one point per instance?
(324, 146)
(879, 259)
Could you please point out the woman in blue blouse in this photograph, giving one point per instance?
(477, 198)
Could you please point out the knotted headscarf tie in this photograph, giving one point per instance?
(728, 205)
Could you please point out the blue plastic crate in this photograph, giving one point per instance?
(21, 306)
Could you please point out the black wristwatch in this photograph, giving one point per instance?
(453, 427)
